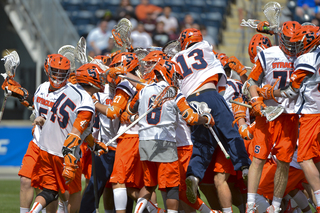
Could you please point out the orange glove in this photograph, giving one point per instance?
(267, 91)
(263, 27)
(238, 110)
(99, 148)
(18, 92)
(125, 118)
(114, 71)
(257, 105)
(10, 81)
(236, 65)
(244, 132)
(69, 169)
(210, 122)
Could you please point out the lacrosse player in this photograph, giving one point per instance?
(70, 119)
(204, 77)
(273, 65)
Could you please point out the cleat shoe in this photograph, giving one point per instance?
(271, 209)
(192, 187)
(251, 208)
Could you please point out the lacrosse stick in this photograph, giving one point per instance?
(202, 107)
(80, 52)
(121, 35)
(69, 52)
(272, 12)
(167, 94)
(95, 186)
(270, 112)
(253, 23)
(133, 80)
(140, 53)
(172, 48)
(11, 62)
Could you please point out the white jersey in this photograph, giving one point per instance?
(309, 95)
(183, 133)
(161, 123)
(233, 91)
(43, 102)
(198, 63)
(276, 65)
(107, 128)
(128, 88)
(61, 117)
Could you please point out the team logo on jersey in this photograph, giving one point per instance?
(257, 149)
(83, 124)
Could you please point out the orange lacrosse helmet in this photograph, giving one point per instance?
(126, 59)
(189, 36)
(287, 31)
(93, 75)
(57, 68)
(306, 39)
(168, 70)
(150, 61)
(258, 41)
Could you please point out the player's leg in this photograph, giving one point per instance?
(223, 191)
(108, 202)
(26, 194)
(300, 198)
(63, 202)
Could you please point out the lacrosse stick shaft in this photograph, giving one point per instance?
(129, 127)
(219, 143)
(95, 186)
(133, 80)
(3, 106)
(239, 103)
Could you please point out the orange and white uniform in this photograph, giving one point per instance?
(272, 64)
(71, 101)
(306, 78)
(127, 166)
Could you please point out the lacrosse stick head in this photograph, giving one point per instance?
(287, 32)
(92, 75)
(253, 23)
(121, 34)
(141, 54)
(168, 93)
(272, 112)
(257, 41)
(68, 51)
(57, 68)
(80, 51)
(272, 12)
(168, 71)
(172, 48)
(189, 36)
(200, 107)
(11, 62)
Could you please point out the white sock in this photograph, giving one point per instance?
(172, 211)
(317, 195)
(227, 210)
(251, 197)
(120, 198)
(141, 205)
(24, 210)
(44, 210)
(108, 211)
(36, 208)
(301, 200)
(151, 207)
(276, 202)
(62, 207)
(204, 208)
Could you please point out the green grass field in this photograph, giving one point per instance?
(9, 197)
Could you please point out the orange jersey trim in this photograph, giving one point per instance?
(297, 77)
(256, 71)
(214, 79)
(82, 121)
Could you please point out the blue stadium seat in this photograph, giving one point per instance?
(196, 17)
(107, 3)
(72, 5)
(83, 30)
(217, 6)
(214, 19)
(92, 5)
(84, 17)
(134, 3)
(214, 32)
(159, 3)
(197, 6)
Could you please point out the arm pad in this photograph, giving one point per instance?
(288, 92)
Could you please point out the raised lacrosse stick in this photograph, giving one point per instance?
(140, 53)
(272, 12)
(80, 52)
(172, 48)
(270, 112)
(121, 35)
(202, 107)
(11, 62)
(168, 93)
(69, 52)
(253, 23)
(133, 80)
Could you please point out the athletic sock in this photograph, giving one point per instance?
(276, 202)
(24, 210)
(172, 211)
(141, 205)
(227, 210)
(317, 195)
(120, 198)
(251, 197)
(44, 210)
(36, 208)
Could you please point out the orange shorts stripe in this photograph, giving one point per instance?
(29, 160)
(86, 160)
(309, 146)
(184, 155)
(48, 174)
(281, 132)
(127, 166)
(165, 175)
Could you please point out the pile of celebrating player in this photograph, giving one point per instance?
(166, 121)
